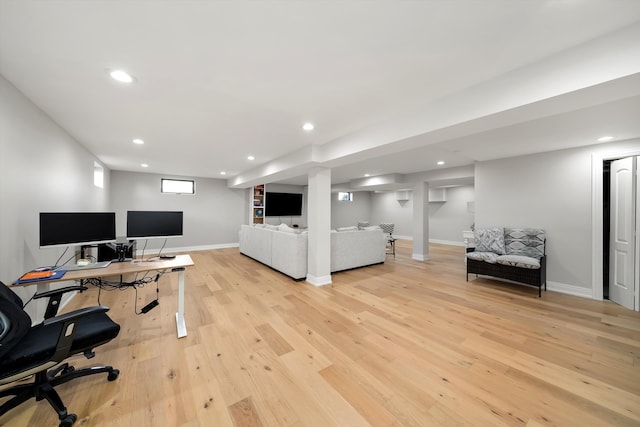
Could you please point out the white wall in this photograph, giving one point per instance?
(448, 219)
(552, 191)
(212, 216)
(386, 208)
(43, 169)
(346, 214)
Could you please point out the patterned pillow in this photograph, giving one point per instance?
(489, 240)
(524, 241)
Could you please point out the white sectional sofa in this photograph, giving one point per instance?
(285, 249)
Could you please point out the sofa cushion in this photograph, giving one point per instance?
(519, 261)
(285, 228)
(489, 257)
(490, 240)
(524, 241)
(351, 228)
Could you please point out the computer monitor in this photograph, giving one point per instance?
(153, 224)
(76, 228)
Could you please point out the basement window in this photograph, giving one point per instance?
(98, 175)
(345, 197)
(177, 186)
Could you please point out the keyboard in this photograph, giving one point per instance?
(73, 267)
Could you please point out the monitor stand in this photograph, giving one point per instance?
(122, 247)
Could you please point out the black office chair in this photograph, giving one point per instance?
(40, 350)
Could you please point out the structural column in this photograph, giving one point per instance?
(420, 221)
(319, 222)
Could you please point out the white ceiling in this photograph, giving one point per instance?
(391, 86)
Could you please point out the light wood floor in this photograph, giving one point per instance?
(405, 343)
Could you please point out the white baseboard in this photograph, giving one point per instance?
(319, 281)
(443, 242)
(447, 242)
(569, 289)
(190, 248)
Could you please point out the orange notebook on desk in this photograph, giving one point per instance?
(39, 274)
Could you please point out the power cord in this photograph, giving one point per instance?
(120, 285)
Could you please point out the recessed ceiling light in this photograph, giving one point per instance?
(144, 165)
(366, 175)
(223, 173)
(308, 126)
(440, 163)
(251, 158)
(605, 138)
(138, 141)
(121, 76)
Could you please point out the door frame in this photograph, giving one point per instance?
(597, 226)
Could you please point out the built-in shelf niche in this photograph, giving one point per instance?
(437, 195)
(403, 195)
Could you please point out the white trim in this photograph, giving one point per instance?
(569, 289)
(319, 281)
(597, 225)
(637, 272)
(190, 248)
(447, 242)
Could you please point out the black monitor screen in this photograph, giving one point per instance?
(149, 224)
(283, 204)
(76, 228)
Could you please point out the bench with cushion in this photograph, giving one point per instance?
(516, 254)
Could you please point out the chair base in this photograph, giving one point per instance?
(43, 387)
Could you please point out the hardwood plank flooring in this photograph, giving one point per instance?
(404, 343)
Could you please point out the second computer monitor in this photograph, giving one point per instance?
(154, 224)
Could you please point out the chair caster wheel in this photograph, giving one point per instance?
(113, 375)
(68, 420)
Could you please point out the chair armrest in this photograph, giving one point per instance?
(77, 314)
(55, 296)
(60, 291)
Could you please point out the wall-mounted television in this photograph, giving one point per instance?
(76, 228)
(283, 204)
(153, 224)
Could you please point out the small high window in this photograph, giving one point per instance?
(178, 186)
(345, 197)
(98, 175)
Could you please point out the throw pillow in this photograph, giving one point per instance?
(489, 240)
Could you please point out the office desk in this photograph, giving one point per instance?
(178, 264)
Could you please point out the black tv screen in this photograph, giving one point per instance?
(76, 228)
(283, 204)
(150, 224)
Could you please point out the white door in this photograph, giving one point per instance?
(622, 243)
